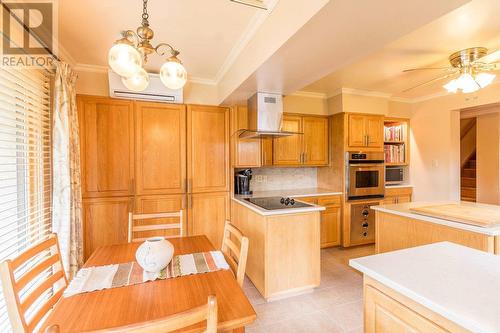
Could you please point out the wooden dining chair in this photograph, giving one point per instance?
(174, 322)
(132, 228)
(236, 256)
(16, 275)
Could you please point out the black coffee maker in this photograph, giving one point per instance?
(242, 182)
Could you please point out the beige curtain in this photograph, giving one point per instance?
(66, 192)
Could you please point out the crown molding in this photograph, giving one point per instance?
(255, 23)
(309, 94)
(90, 68)
(201, 80)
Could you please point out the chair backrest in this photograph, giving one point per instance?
(21, 293)
(174, 322)
(236, 256)
(132, 228)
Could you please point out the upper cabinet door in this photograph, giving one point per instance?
(246, 152)
(107, 146)
(357, 132)
(160, 148)
(288, 150)
(375, 131)
(208, 148)
(315, 140)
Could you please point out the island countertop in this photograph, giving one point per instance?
(265, 212)
(455, 281)
(403, 209)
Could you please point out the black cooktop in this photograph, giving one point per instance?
(273, 203)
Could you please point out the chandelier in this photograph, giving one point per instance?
(129, 53)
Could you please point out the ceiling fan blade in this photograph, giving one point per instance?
(431, 81)
(489, 58)
(492, 66)
(428, 68)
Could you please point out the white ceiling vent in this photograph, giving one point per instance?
(156, 90)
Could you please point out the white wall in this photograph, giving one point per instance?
(488, 158)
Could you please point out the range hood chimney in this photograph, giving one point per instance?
(265, 117)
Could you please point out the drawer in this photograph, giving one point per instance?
(312, 200)
(329, 201)
(398, 191)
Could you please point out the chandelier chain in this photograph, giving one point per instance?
(145, 14)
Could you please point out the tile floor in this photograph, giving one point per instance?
(336, 306)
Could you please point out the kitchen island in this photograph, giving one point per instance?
(441, 287)
(398, 227)
(284, 247)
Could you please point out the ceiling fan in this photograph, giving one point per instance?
(469, 66)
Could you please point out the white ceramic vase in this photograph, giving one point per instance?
(154, 254)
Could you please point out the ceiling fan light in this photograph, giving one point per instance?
(467, 84)
(451, 86)
(124, 59)
(173, 74)
(137, 81)
(484, 79)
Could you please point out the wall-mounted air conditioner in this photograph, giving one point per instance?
(156, 90)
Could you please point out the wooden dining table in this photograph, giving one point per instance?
(155, 299)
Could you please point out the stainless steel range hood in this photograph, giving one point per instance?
(265, 117)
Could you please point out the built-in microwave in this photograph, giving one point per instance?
(394, 175)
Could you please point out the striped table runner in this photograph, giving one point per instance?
(125, 274)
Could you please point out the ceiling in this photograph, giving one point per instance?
(473, 24)
(205, 32)
(342, 33)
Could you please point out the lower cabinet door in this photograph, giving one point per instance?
(404, 198)
(330, 227)
(105, 222)
(207, 214)
(384, 314)
(148, 204)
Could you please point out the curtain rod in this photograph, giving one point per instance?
(25, 27)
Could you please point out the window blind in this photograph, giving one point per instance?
(25, 164)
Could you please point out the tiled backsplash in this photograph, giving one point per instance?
(283, 178)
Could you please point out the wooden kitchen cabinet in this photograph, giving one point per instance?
(387, 311)
(396, 195)
(160, 152)
(150, 204)
(308, 149)
(207, 213)
(107, 146)
(365, 131)
(288, 150)
(246, 152)
(315, 140)
(105, 222)
(330, 218)
(207, 148)
(267, 151)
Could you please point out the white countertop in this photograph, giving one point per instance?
(265, 212)
(457, 282)
(293, 193)
(403, 209)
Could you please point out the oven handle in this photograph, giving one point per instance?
(366, 165)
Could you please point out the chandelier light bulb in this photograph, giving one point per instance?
(173, 74)
(137, 81)
(124, 59)
(484, 79)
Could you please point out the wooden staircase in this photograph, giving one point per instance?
(468, 180)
